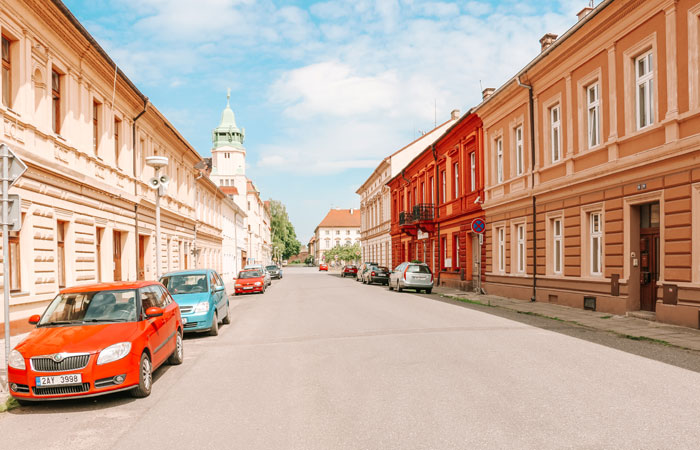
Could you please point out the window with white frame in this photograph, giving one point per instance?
(519, 160)
(444, 186)
(520, 234)
(593, 100)
(555, 136)
(557, 246)
(501, 234)
(499, 160)
(455, 168)
(472, 174)
(644, 71)
(596, 241)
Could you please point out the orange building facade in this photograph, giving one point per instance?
(604, 209)
(433, 202)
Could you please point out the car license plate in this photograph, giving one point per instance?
(57, 380)
(248, 287)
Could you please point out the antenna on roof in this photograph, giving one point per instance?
(481, 87)
(591, 3)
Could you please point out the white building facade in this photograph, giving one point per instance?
(339, 227)
(375, 196)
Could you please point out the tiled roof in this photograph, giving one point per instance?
(341, 218)
(229, 190)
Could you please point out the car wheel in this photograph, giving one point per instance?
(179, 353)
(227, 317)
(428, 291)
(214, 330)
(143, 389)
(398, 287)
(391, 288)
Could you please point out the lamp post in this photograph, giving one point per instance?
(159, 183)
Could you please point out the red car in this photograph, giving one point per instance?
(249, 282)
(323, 267)
(97, 339)
(349, 271)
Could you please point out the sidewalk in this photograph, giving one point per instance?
(631, 327)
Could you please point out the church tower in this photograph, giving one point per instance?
(228, 156)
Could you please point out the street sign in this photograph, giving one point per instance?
(14, 214)
(16, 167)
(478, 225)
(422, 234)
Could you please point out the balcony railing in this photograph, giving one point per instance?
(424, 212)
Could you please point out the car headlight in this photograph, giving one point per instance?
(257, 283)
(16, 360)
(239, 285)
(114, 353)
(202, 307)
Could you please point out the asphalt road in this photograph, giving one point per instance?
(320, 362)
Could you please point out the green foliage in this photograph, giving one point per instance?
(417, 261)
(283, 235)
(309, 260)
(347, 252)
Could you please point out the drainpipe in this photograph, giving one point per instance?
(532, 174)
(136, 188)
(437, 213)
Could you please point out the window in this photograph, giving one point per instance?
(444, 186)
(95, 126)
(348, 233)
(444, 252)
(455, 251)
(472, 174)
(501, 233)
(117, 143)
(56, 101)
(337, 231)
(644, 70)
(596, 237)
(520, 234)
(555, 124)
(422, 192)
(61, 252)
(455, 168)
(499, 160)
(6, 72)
(592, 96)
(15, 279)
(328, 232)
(519, 161)
(432, 191)
(557, 245)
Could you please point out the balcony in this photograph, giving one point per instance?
(421, 216)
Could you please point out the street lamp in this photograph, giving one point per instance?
(159, 183)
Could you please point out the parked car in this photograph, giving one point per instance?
(363, 270)
(323, 266)
(349, 270)
(249, 282)
(202, 298)
(97, 339)
(411, 276)
(261, 269)
(377, 274)
(274, 271)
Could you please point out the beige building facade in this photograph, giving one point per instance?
(85, 130)
(603, 211)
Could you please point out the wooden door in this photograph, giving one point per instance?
(117, 253)
(649, 267)
(142, 259)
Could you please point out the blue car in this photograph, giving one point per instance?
(202, 298)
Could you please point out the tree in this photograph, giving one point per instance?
(284, 237)
(347, 252)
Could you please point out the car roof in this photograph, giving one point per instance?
(115, 285)
(187, 272)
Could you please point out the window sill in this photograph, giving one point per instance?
(19, 293)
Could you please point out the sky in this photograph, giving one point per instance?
(324, 89)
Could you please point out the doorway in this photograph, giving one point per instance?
(117, 254)
(142, 257)
(649, 255)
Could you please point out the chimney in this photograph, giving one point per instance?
(350, 210)
(486, 93)
(547, 40)
(455, 114)
(584, 12)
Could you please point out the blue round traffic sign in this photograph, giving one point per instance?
(478, 225)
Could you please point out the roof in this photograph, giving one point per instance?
(341, 218)
(113, 286)
(229, 190)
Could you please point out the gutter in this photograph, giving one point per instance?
(532, 186)
(136, 188)
(437, 213)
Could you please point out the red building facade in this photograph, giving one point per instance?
(434, 201)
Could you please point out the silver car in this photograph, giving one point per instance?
(411, 276)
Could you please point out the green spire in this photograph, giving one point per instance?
(227, 133)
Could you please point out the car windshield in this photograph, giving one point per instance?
(185, 284)
(100, 306)
(383, 269)
(415, 268)
(249, 274)
(271, 267)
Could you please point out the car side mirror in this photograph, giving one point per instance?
(154, 311)
(219, 288)
(33, 320)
